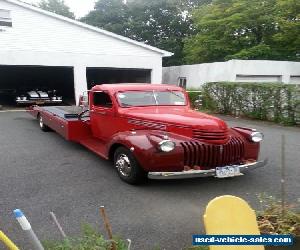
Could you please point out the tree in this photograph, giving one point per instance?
(238, 29)
(287, 39)
(160, 23)
(57, 6)
(111, 15)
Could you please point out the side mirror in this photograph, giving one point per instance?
(198, 103)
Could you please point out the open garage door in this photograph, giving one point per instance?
(16, 79)
(117, 75)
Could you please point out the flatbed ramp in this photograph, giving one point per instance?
(73, 129)
(64, 120)
(65, 112)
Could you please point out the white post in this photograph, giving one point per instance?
(156, 72)
(80, 81)
(285, 78)
(25, 225)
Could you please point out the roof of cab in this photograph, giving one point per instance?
(135, 87)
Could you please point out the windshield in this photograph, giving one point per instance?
(151, 98)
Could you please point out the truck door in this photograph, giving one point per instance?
(102, 115)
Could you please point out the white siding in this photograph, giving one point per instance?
(37, 32)
(38, 39)
(197, 74)
(234, 70)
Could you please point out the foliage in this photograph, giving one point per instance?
(237, 29)
(272, 220)
(206, 104)
(91, 239)
(198, 248)
(57, 6)
(160, 23)
(194, 95)
(111, 15)
(265, 101)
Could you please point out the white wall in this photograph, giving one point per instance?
(234, 70)
(38, 39)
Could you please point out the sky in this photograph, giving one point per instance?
(79, 7)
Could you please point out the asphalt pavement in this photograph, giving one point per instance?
(41, 172)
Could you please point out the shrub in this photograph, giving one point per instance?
(265, 101)
(194, 95)
(91, 239)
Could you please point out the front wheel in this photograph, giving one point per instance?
(127, 166)
(43, 127)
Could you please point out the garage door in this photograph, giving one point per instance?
(117, 75)
(17, 79)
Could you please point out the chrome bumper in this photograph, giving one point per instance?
(38, 102)
(203, 173)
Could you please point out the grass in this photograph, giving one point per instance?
(198, 248)
(277, 219)
(90, 240)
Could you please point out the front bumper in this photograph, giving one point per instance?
(38, 101)
(203, 173)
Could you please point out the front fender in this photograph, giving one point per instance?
(251, 148)
(146, 151)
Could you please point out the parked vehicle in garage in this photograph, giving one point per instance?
(150, 130)
(38, 97)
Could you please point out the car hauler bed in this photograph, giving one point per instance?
(64, 120)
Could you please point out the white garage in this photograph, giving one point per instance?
(42, 49)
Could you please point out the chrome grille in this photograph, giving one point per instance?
(210, 135)
(211, 156)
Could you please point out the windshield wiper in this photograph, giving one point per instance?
(174, 93)
(155, 98)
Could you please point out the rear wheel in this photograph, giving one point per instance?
(127, 166)
(43, 127)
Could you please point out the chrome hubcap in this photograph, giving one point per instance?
(41, 122)
(123, 165)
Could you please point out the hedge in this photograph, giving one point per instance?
(265, 101)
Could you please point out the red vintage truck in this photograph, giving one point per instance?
(151, 130)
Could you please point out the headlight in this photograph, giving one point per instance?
(18, 98)
(24, 98)
(257, 136)
(59, 98)
(166, 145)
(54, 98)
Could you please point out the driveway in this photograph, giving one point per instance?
(41, 172)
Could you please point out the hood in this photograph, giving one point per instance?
(178, 116)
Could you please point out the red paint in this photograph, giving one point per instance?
(202, 141)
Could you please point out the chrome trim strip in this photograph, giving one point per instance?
(202, 173)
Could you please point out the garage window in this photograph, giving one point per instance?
(102, 99)
(5, 18)
(182, 82)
